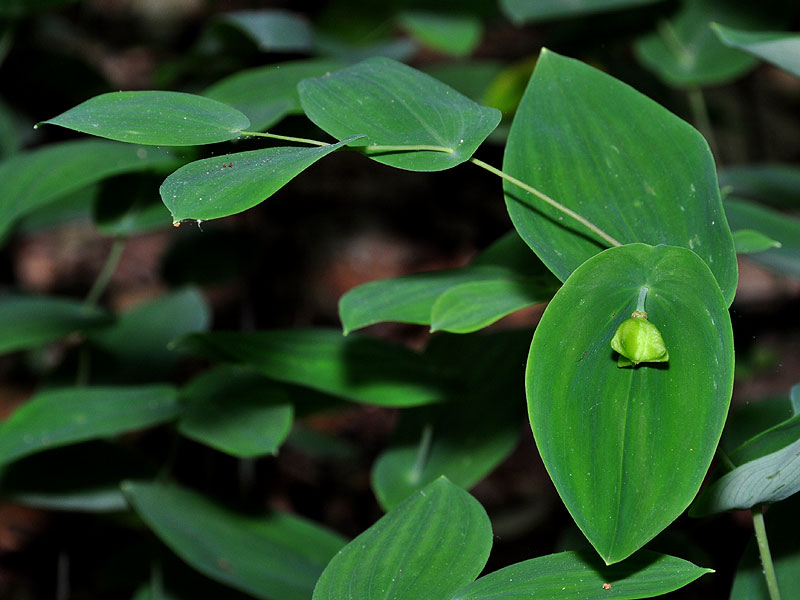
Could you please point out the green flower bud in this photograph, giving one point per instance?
(638, 340)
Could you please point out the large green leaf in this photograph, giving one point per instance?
(429, 546)
(395, 105)
(354, 368)
(154, 118)
(684, 51)
(66, 416)
(267, 94)
(582, 575)
(29, 321)
(225, 185)
(277, 557)
(525, 11)
(236, 411)
(777, 47)
(33, 179)
(627, 448)
(776, 225)
(273, 30)
(619, 159)
(454, 34)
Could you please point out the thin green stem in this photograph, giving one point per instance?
(285, 138)
(766, 556)
(697, 104)
(642, 297)
(104, 277)
(542, 196)
(423, 452)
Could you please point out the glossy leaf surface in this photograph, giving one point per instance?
(30, 180)
(354, 368)
(685, 51)
(396, 105)
(429, 546)
(236, 411)
(66, 416)
(267, 94)
(277, 556)
(525, 11)
(582, 575)
(782, 49)
(778, 226)
(454, 34)
(231, 183)
(627, 449)
(619, 159)
(30, 321)
(154, 118)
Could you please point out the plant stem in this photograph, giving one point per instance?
(285, 138)
(104, 277)
(542, 196)
(763, 550)
(697, 104)
(423, 452)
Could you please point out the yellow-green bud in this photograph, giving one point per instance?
(638, 340)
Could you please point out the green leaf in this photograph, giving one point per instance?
(273, 30)
(29, 322)
(277, 556)
(685, 52)
(472, 78)
(471, 306)
(627, 449)
(775, 185)
(784, 546)
(454, 34)
(141, 336)
(773, 224)
(236, 411)
(429, 546)
(30, 180)
(750, 420)
(782, 49)
(9, 138)
(267, 94)
(60, 417)
(619, 159)
(355, 368)
(525, 11)
(582, 575)
(154, 118)
(750, 241)
(129, 205)
(225, 185)
(395, 105)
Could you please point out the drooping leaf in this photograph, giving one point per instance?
(627, 449)
(782, 49)
(429, 546)
(454, 34)
(30, 180)
(66, 416)
(775, 185)
(773, 224)
(619, 159)
(225, 185)
(684, 50)
(276, 557)
(750, 241)
(525, 11)
(141, 336)
(273, 30)
(236, 411)
(582, 575)
(355, 368)
(267, 94)
(749, 583)
(29, 321)
(396, 105)
(154, 118)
